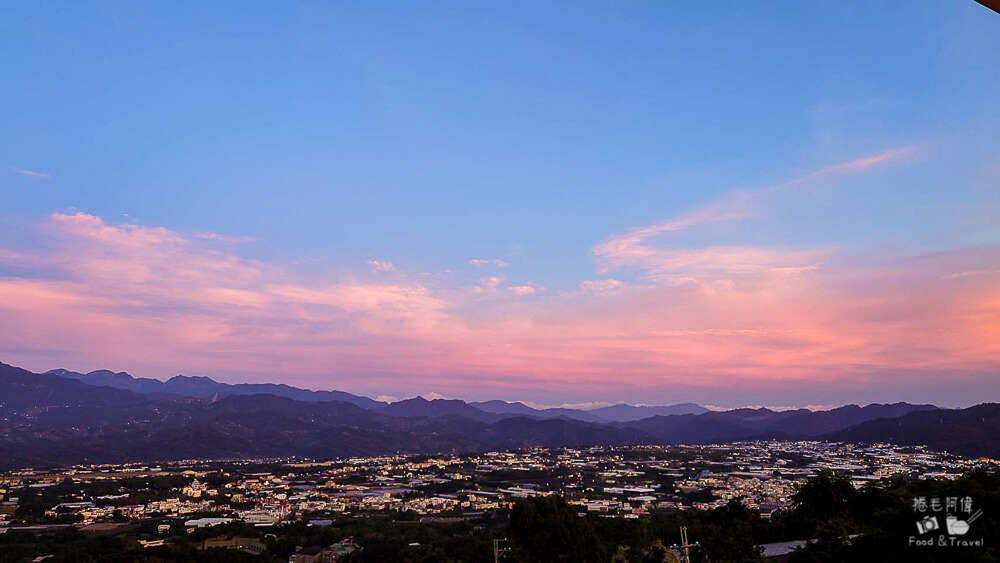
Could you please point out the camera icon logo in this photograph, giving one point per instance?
(927, 524)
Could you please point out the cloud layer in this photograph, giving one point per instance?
(719, 320)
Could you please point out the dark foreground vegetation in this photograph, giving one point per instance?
(871, 524)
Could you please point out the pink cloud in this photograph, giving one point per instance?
(171, 297)
(633, 249)
(221, 238)
(488, 285)
(601, 286)
(671, 265)
(382, 266)
(158, 302)
(525, 290)
(863, 164)
(484, 262)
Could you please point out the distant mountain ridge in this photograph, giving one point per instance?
(751, 424)
(62, 418)
(201, 387)
(20, 389)
(515, 408)
(623, 412)
(437, 408)
(620, 412)
(51, 420)
(969, 432)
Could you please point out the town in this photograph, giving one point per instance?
(169, 502)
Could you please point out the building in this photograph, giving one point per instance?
(206, 522)
(316, 554)
(250, 545)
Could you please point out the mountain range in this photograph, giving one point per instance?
(63, 417)
(200, 387)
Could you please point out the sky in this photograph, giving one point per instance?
(729, 203)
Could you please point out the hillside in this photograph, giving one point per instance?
(49, 419)
(969, 432)
(201, 387)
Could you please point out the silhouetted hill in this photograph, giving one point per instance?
(969, 432)
(822, 422)
(51, 420)
(503, 407)
(623, 412)
(201, 387)
(118, 380)
(560, 432)
(56, 419)
(745, 424)
(497, 406)
(421, 407)
(692, 429)
(21, 389)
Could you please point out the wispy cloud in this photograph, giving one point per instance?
(381, 266)
(488, 285)
(601, 286)
(960, 275)
(674, 265)
(900, 154)
(228, 239)
(30, 173)
(483, 262)
(526, 289)
(632, 249)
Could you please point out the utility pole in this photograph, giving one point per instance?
(685, 546)
(498, 551)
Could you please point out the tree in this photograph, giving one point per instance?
(621, 556)
(544, 529)
(658, 553)
(824, 499)
(731, 534)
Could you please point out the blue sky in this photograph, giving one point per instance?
(430, 135)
